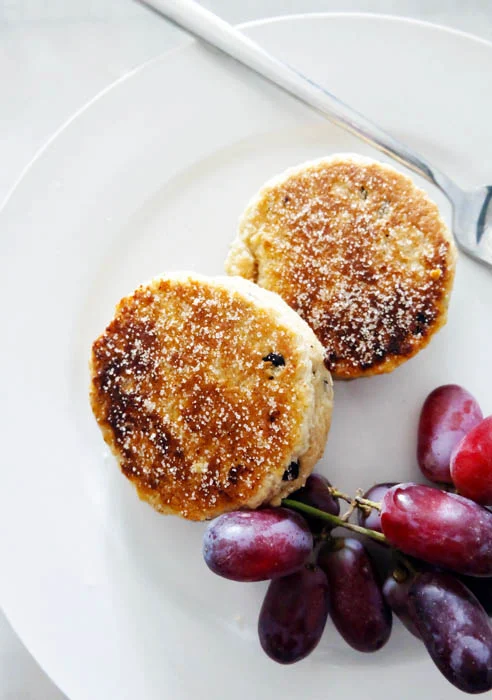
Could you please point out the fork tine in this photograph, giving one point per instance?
(472, 223)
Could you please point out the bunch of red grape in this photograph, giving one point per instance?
(440, 580)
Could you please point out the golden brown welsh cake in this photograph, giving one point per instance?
(212, 393)
(358, 251)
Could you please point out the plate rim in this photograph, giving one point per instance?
(249, 24)
(275, 19)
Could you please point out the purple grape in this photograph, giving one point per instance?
(293, 615)
(448, 414)
(357, 605)
(455, 629)
(443, 529)
(396, 595)
(257, 545)
(315, 493)
(373, 519)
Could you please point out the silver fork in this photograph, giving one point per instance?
(472, 210)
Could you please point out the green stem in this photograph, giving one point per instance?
(333, 519)
(339, 494)
(359, 500)
(403, 561)
(366, 502)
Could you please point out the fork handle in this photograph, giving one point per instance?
(202, 23)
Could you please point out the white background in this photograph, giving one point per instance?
(57, 54)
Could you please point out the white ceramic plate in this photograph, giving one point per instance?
(113, 599)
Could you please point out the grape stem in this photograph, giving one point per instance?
(346, 516)
(339, 494)
(333, 519)
(406, 564)
(359, 500)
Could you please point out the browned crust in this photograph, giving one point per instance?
(359, 252)
(200, 422)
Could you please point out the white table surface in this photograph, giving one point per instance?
(57, 54)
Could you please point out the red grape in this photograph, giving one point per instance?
(448, 413)
(441, 528)
(315, 493)
(471, 464)
(396, 595)
(357, 606)
(257, 545)
(373, 519)
(455, 629)
(293, 615)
